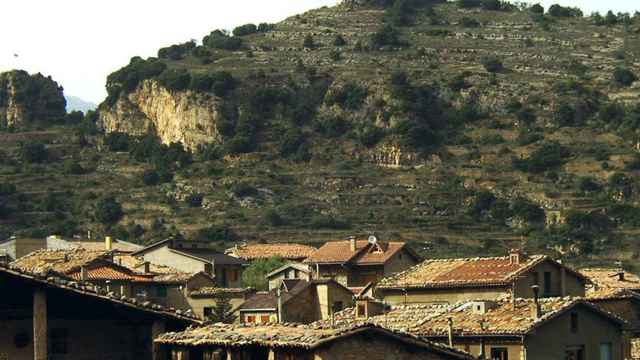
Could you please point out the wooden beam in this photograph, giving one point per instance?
(40, 334)
(158, 351)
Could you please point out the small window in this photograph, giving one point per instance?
(547, 284)
(161, 291)
(208, 312)
(264, 319)
(251, 319)
(574, 322)
(499, 354)
(59, 341)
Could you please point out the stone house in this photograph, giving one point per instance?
(297, 301)
(625, 304)
(458, 280)
(287, 251)
(297, 342)
(202, 300)
(551, 328)
(291, 271)
(16, 248)
(49, 317)
(193, 257)
(355, 263)
(120, 274)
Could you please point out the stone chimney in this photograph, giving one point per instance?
(108, 243)
(620, 275)
(536, 310)
(352, 243)
(84, 273)
(515, 257)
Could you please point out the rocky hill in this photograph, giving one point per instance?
(465, 127)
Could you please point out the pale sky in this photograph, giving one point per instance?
(79, 42)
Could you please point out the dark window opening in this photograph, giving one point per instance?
(574, 322)
(499, 354)
(161, 291)
(574, 353)
(208, 312)
(547, 283)
(337, 306)
(208, 268)
(536, 278)
(361, 310)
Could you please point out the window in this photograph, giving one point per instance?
(233, 275)
(574, 322)
(161, 291)
(574, 353)
(499, 354)
(547, 283)
(208, 312)
(208, 268)
(605, 351)
(264, 319)
(251, 319)
(59, 341)
(361, 310)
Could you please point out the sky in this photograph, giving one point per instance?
(80, 42)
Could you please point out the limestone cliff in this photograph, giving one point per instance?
(185, 117)
(28, 98)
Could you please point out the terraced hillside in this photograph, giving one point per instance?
(461, 129)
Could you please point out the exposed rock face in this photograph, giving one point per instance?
(183, 117)
(28, 98)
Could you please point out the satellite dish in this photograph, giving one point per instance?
(373, 240)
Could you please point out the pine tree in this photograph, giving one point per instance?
(222, 312)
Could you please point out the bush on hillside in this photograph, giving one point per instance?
(309, 42)
(244, 30)
(387, 36)
(468, 4)
(127, 78)
(339, 41)
(469, 22)
(537, 9)
(624, 76)
(492, 64)
(562, 11)
(117, 141)
(546, 157)
(216, 233)
(34, 152)
(108, 211)
(220, 39)
(177, 80)
(350, 96)
(176, 52)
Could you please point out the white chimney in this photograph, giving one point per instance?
(352, 243)
(84, 276)
(108, 243)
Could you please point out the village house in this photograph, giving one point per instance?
(47, 317)
(291, 271)
(625, 304)
(194, 257)
(286, 251)
(551, 328)
(15, 248)
(203, 300)
(355, 263)
(297, 301)
(614, 278)
(122, 274)
(457, 280)
(297, 342)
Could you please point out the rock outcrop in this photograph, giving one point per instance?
(185, 117)
(28, 98)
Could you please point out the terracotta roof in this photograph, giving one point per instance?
(160, 273)
(291, 336)
(265, 251)
(503, 319)
(339, 252)
(97, 292)
(471, 272)
(610, 278)
(109, 272)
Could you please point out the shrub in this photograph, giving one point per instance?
(72, 167)
(308, 42)
(339, 41)
(387, 36)
(548, 156)
(255, 276)
(177, 80)
(117, 141)
(492, 5)
(239, 145)
(219, 39)
(176, 52)
(624, 76)
(634, 164)
(350, 96)
(265, 27)
(561, 11)
(151, 177)
(589, 184)
(468, 4)
(291, 142)
(331, 125)
(194, 200)
(34, 152)
(243, 189)
(108, 211)
(215, 233)
(526, 138)
(273, 218)
(526, 116)
(127, 78)
(469, 22)
(537, 9)
(7, 189)
(244, 30)
(492, 64)
(328, 222)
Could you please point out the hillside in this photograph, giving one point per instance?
(462, 129)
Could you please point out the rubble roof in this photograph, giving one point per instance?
(469, 272)
(609, 278)
(86, 289)
(339, 252)
(504, 318)
(290, 336)
(287, 251)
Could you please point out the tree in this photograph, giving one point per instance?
(108, 211)
(150, 177)
(492, 64)
(610, 19)
(492, 5)
(216, 233)
(624, 76)
(223, 311)
(387, 36)
(244, 30)
(34, 152)
(117, 141)
(537, 9)
(254, 276)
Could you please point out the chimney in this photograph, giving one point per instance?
(450, 330)
(352, 243)
(620, 275)
(536, 310)
(147, 267)
(515, 257)
(108, 243)
(279, 295)
(84, 276)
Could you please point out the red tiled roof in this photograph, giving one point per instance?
(365, 254)
(265, 251)
(496, 271)
(109, 272)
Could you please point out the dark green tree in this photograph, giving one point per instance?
(108, 211)
(254, 276)
(223, 311)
